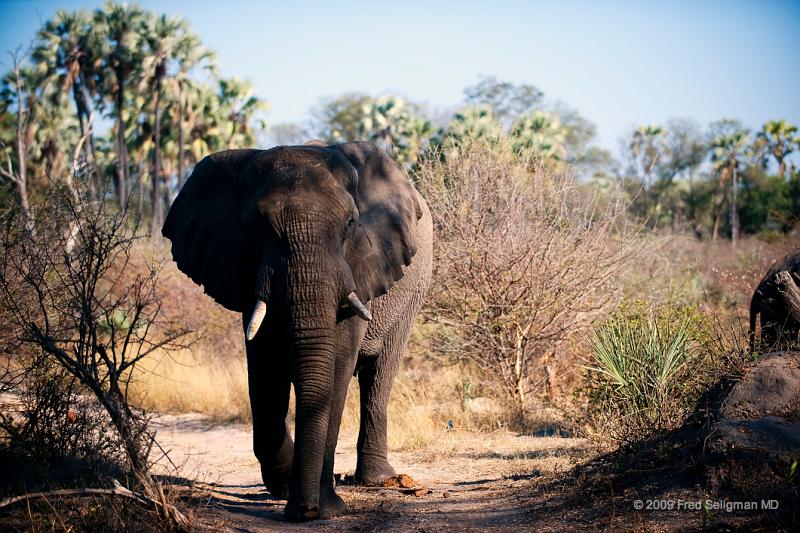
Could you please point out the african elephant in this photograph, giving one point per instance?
(326, 252)
(775, 299)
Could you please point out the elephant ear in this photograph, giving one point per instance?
(386, 237)
(209, 236)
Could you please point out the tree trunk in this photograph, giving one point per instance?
(734, 214)
(181, 177)
(519, 367)
(94, 174)
(79, 105)
(140, 187)
(122, 148)
(119, 179)
(155, 195)
(22, 170)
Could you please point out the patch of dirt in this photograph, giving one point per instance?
(474, 482)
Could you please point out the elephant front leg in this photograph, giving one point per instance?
(375, 377)
(349, 338)
(269, 383)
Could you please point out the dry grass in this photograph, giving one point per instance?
(187, 382)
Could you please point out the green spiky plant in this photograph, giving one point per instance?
(648, 366)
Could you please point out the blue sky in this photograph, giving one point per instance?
(619, 63)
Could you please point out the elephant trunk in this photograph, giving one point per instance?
(312, 308)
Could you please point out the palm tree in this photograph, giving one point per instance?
(161, 35)
(395, 124)
(475, 122)
(726, 156)
(240, 111)
(646, 146)
(780, 139)
(189, 53)
(542, 133)
(68, 54)
(121, 24)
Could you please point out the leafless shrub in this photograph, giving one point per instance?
(525, 260)
(62, 286)
(50, 431)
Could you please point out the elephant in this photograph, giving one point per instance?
(775, 299)
(327, 253)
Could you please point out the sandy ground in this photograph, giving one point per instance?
(474, 481)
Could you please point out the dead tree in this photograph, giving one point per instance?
(19, 177)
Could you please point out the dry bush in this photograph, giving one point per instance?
(524, 262)
(51, 433)
(62, 286)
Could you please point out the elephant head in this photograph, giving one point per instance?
(306, 235)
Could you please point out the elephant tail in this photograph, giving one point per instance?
(755, 308)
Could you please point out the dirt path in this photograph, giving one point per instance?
(475, 481)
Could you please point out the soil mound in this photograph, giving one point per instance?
(742, 444)
(761, 412)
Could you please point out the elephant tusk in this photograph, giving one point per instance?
(256, 319)
(359, 307)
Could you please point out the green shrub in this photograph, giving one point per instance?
(649, 366)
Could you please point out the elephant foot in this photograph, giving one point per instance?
(299, 512)
(331, 505)
(276, 479)
(374, 472)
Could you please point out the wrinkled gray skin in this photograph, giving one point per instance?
(300, 228)
(778, 328)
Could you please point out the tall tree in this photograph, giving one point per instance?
(780, 139)
(162, 35)
(18, 177)
(68, 51)
(396, 125)
(122, 54)
(189, 54)
(728, 152)
(644, 147)
(242, 112)
(685, 150)
(475, 122)
(339, 119)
